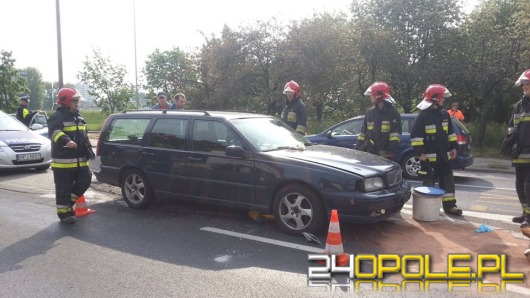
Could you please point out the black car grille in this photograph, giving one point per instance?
(394, 178)
(25, 147)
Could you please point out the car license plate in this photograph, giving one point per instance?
(28, 156)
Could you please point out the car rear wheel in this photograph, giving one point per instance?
(136, 190)
(298, 209)
(410, 166)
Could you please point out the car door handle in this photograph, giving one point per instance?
(148, 153)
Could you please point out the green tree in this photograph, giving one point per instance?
(106, 82)
(497, 53)
(36, 87)
(170, 71)
(12, 85)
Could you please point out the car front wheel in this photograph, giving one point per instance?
(136, 190)
(298, 209)
(411, 166)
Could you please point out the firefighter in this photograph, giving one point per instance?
(71, 150)
(23, 114)
(295, 112)
(519, 127)
(434, 141)
(381, 129)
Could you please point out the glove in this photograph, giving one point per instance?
(360, 145)
(425, 170)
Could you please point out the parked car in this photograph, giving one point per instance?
(344, 134)
(20, 147)
(250, 161)
(39, 123)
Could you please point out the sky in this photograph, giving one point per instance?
(29, 28)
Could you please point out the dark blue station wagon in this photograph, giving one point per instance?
(248, 161)
(344, 134)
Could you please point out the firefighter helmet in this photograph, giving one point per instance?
(65, 96)
(524, 78)
(378, 91)
(434, 94)
(292, 87)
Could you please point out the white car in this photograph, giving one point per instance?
(20, 147)
(39, 123)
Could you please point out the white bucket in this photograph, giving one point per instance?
(426, 201)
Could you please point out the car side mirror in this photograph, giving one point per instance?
(328, 134)
(36, 126)
(235, 151)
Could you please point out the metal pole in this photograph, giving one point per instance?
(135, 60)
(59, 49)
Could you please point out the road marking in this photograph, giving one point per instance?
(478, 208)
(264, 240)
(470, 186)
(499, 217)
(498, 196)
(499, 203)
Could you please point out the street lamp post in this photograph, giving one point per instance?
(135, 60)
(59, 48)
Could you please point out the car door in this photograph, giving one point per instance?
(345, 134)
(213, 175)
(164, 157)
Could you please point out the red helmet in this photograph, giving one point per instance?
(434, 94)
(65, 95)
(523, 79)
(379, 90)
(292, 87)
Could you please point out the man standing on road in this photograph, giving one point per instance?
(295, 112)
(520, 127)
(455, 112)
(381, 129)
(71, 150)
(23, 114)
(434, 141)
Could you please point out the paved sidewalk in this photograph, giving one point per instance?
(491, 165)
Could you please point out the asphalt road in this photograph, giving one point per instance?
(172, 249)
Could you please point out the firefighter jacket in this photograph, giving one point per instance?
(65, 126)
(520, 126)
(24, 115)
(433, 135)
(295, 115)
(380, 131)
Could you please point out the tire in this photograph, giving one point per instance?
(410, 165)
(287, 209)
(136, 190)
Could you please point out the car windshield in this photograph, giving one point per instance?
(41, 119)
(8, 123)
(268, 134)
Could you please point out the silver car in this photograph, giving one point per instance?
(21, 147)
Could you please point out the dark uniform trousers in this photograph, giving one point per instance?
(73, 184)
(444, 174)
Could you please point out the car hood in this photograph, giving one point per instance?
(354, 161)
(20, 137)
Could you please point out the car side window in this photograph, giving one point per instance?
(127, 131)
(405, 125)
(169, 133)
(212, 136)
(349, 128)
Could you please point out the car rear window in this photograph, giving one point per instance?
(460, 125)
(127, 130)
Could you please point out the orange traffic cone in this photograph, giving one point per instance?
(81, 208)
(334, 240)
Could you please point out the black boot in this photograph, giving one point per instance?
(518, 219)
(453, 211)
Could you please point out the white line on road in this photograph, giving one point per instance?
(264, 240)
(470, 186)
(499, 217)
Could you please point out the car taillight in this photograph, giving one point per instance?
(461, 139)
